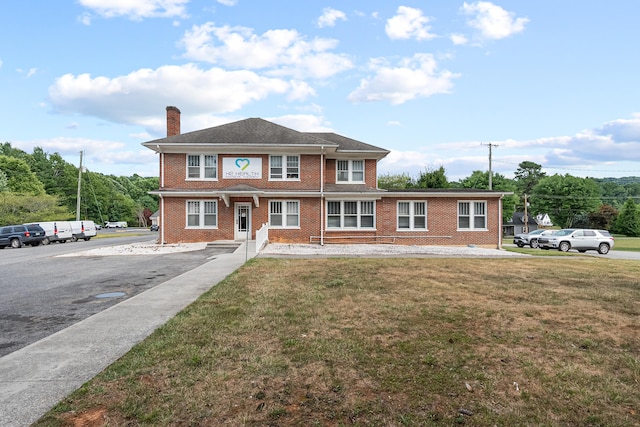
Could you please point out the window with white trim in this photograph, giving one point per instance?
(202, 166)
(284, 167)
(472, 215)
(284, 214)
(358, 214)
(412, 215)
(349, 171)
(202, 214)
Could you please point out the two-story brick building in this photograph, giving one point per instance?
(225, 182)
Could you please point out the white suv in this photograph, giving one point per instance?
(580, 239)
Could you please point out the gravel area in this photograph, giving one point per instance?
(285, 249)
(382, 250)
(142, 248)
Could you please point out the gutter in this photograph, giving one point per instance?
(322, 196)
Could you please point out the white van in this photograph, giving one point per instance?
(84, 230)
(115, 224)
(57, 231)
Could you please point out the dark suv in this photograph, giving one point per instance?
(17, 236)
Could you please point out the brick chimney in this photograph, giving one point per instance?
(173, 121)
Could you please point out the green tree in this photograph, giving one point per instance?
(480, 180)
(603, 218)
(628, 222)
(527, 176)
(565, 197)
(20, 178)
(394, 181)
(21, 208)
(4, 182)
(433, 178)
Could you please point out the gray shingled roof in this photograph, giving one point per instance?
(345, 144)
(262, 132)
(248, 131)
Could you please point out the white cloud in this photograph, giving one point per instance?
(278, 52)
(492, 21)
(458, 39)
(136, 9)
(330, 16)
(85, 19)
(302, 122)
(0, 62)
(228, 2)
(102, 152)
(136, 98)
(412, 78)
(409, 23)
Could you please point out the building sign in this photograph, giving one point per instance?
(242, 168)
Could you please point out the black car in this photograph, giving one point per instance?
(17, 236)
(154, 227)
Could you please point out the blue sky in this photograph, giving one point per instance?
(548, 81)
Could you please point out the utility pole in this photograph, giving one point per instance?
(526, 216)
(79, 183)
(490, 173)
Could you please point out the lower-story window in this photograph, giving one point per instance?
(412, 215)
(202, 214)
(472, 215)
(351, 214)
(284, 214)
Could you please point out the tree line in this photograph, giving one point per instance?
(603, 203)
(44, 187)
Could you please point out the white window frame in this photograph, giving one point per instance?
(284, 159)
(200, 207)
(411, 215)
(475, 209)
(202, 167)
(284, 213)
(365, 209)
(349, 173)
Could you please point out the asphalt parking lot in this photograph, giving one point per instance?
(41, 294)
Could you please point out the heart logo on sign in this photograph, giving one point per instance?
(242, 164)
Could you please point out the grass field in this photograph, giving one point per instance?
(386, 342)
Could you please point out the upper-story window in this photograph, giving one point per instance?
(350, 171)
(284, 167)
(472, 215)
(202, 166)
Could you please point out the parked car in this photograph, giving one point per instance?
(84, 230)
(154, 227)
(57, 231)
(115, 224)
(530, 238)
(580, 239)
(17, 236)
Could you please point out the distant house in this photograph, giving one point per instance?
(544, 220)
(230, 181)
(154, 218)
(517, 224)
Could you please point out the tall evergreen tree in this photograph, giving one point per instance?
(628, 222)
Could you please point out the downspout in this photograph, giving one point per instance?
(161, 198)
(162, 242)
(322, 196)
(500, 222)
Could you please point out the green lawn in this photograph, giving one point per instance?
(551, 341)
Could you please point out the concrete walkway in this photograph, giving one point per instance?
(35, 378)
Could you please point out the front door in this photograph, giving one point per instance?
(243, 221)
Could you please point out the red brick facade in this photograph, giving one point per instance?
(360, 212)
